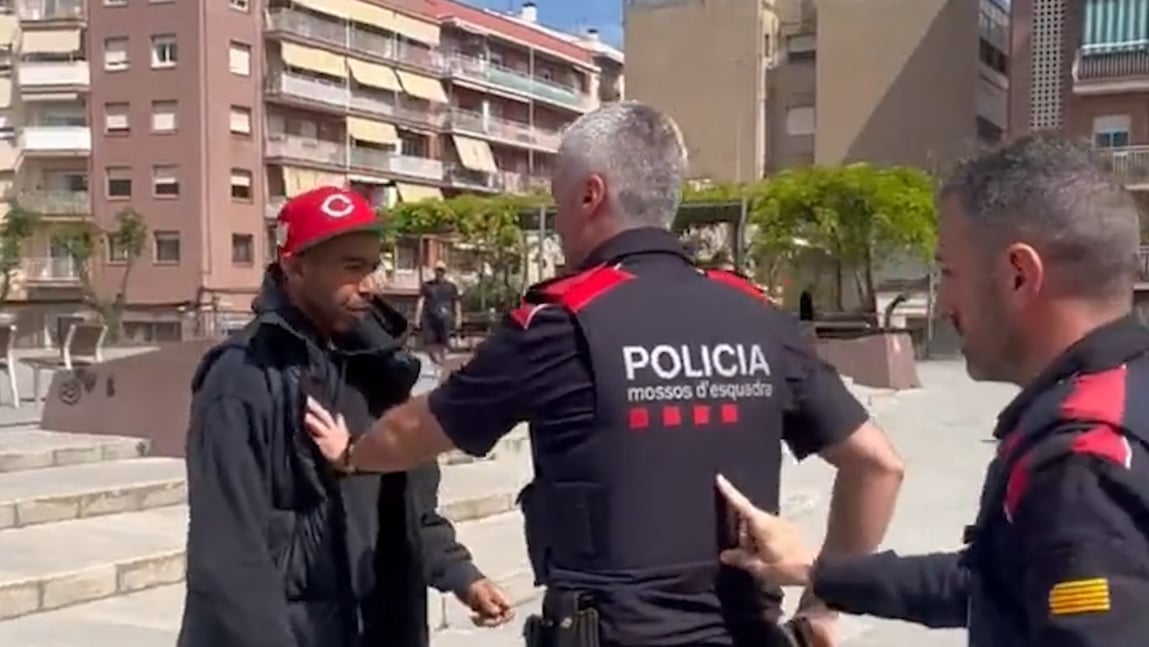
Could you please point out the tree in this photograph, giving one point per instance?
(858, 215)
(18, 227)
(123, 244)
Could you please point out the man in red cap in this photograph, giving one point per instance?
(283, 550)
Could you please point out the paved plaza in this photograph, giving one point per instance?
(942, 431)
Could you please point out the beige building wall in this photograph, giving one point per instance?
(704, 63)
(895, 81)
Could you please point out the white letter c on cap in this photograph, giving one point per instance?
(337, 206)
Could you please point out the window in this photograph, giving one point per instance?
(115, 54)
(239, 58)
(164, 51)
(165, 181)
(800, 120)
(240, 120)
(116, 119)
(116, 248)
(241, 184)
(242, 249)
(240, 5)
(119, 183)
(801, 47)
(272, 232)
(167, 246)
(1111, 131)
(163, 116)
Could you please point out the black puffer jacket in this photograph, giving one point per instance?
(282, 552)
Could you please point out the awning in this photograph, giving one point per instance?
(375, 76)
(55, 41)
(417, 192)
(417, 30)
(8, 27)
(8, 155)
(5, 92)
(423, 87)
(336, 8)
(370, 179)
(316, 60)
(297, 180)
(369, 14)
(474, 154)
(366, 130)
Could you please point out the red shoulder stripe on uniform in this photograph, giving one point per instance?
(737, 282)
(577, 292)
(523, 314)
(1102, 441)
(1097, 397)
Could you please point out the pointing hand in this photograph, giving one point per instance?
(769, 548)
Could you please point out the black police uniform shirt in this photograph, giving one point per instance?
(541, 373)
(1060, 554)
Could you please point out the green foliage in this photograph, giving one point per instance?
(18, 227)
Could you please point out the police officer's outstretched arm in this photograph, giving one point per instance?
(1084, 554)
(520, 368)
(234, 590)
(824, 418)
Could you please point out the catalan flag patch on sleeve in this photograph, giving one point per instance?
(1076, 597)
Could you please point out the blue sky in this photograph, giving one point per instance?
(570, 15)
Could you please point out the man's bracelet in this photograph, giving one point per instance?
(344, 465)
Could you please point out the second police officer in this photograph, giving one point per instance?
(641, 377)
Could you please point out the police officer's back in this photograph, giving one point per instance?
(641, 377)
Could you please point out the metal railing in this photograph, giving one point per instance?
(56, 203)
(344, 97)
(484, 71)
(37, 10)
(1111, 65)
(462, 177)
(307, 149)
(354, 40)
(1130, 165)
(503, 129)
(49, 269)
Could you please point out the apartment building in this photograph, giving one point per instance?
(787, 82)
(204, 116)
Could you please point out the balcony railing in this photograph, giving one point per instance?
(513, 182)
(293, 147)
(343, 97)
(56, 203)
(503, 129)
(1111, 66)
(45, 10)
(1129, 165)
(53, 74)
(465, 178)
(1143, 257)
(353, 39)
(489, 73)
(50, 270)
(56, 139)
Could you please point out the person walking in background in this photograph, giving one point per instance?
(438, 313)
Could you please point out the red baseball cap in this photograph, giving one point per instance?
(321, 214)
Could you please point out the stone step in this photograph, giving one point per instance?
(151, 618)
(27, 448)
(89, 489)
(484, 488)
(51, 566)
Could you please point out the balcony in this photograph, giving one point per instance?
(521, 183)
(460, 177)
(49, 270)
(313, 151)
(53, 75)
(50, 10)
(502, 130)
(1111, 72)
(52, 141)
(378, 161)
(55, 203)
(494, 75)
(354, 40)
(1143, 257)
(342, 98)
(1129, 165)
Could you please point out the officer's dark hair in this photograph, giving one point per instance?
(640, 154)
(1053, 194)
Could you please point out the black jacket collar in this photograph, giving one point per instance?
(645, 240)
(1105, 347)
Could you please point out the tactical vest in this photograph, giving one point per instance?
(1088, 415)
(683, 364)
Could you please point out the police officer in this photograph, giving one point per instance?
(1038, 251)
(641, 377)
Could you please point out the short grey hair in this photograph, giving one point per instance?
(1054, 194)
(640, 154)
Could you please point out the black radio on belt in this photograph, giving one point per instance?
(567, 621)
